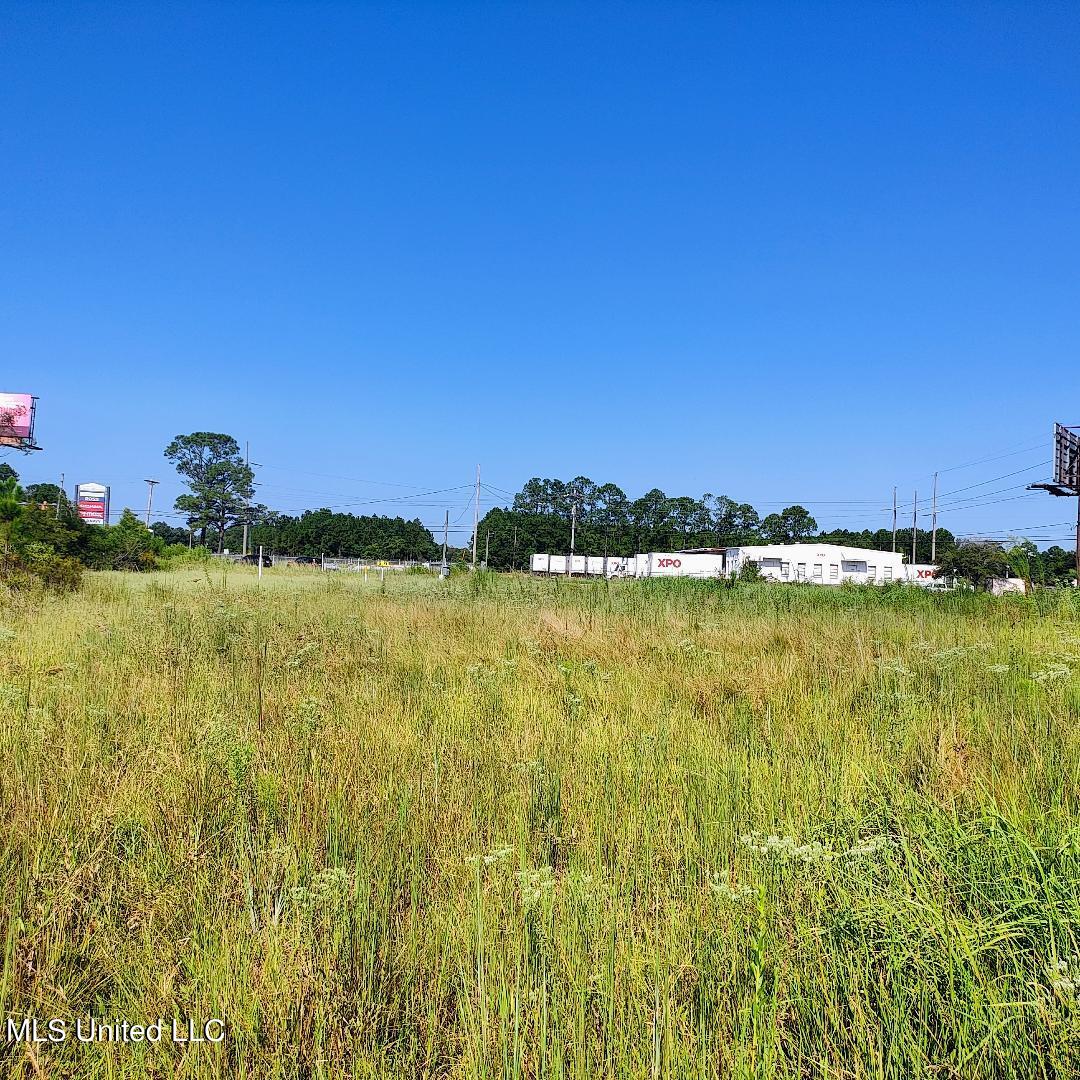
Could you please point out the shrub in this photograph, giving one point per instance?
(38, 567)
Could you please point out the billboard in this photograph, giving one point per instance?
(17, 420)
(1067, 458)
(92, 503)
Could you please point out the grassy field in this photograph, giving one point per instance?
(505, 828)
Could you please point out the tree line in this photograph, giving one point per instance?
(320, 532)
(607, 522)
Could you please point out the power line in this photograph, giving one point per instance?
(983, 483)
(996, 457)
(337, 476)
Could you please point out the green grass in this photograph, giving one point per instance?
(497, 827)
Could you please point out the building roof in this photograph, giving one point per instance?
(807, 551)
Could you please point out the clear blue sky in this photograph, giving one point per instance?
(780, 252)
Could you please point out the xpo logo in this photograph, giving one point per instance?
(674, 563)
(924, 573)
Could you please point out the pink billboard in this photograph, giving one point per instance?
(16, 419)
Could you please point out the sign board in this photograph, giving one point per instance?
(92, 503)
(17, 421)
(1067, 458)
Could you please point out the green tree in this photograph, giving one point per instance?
(11, 509)
(35, 546)
(975, 562)
(1056, 566)
(7, 472)
(169, 534)
(127, 545)
(791, 525)
(221, 484)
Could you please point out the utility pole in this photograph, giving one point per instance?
(894, 518)
(487, 548)
(514, 563)
(476, 517)
(149, 499)
(933, 524)
(573, 532)
(445, 570)
(914, 524)
(247, 510)
(58, 494)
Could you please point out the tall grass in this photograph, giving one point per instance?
(495, 827)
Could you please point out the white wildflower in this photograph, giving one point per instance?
(786, 847)
(735, 894)
(535, 885)
(868, 846)
(1065, 977)
(1051, 674)
(894, 667)
(492, 857)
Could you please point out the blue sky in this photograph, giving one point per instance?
(784, 252)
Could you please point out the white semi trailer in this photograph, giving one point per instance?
(679, 564)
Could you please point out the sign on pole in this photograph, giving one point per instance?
(92, 503)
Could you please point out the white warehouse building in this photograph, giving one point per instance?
(820, 564)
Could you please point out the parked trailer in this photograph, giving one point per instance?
(679, 564)
(612, 566)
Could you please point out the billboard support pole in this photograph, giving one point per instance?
(1066, 480)
(149, 499)
(58, 494)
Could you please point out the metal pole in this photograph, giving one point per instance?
(58, 494)
(933, 525)
(573, 535)
(894, 519)
(476, 517)
(1078, 543)
(149, 499)
(260, 561)
(247, 511)
(914, 525)
(445, 570)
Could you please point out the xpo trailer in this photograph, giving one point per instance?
(679, 564)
